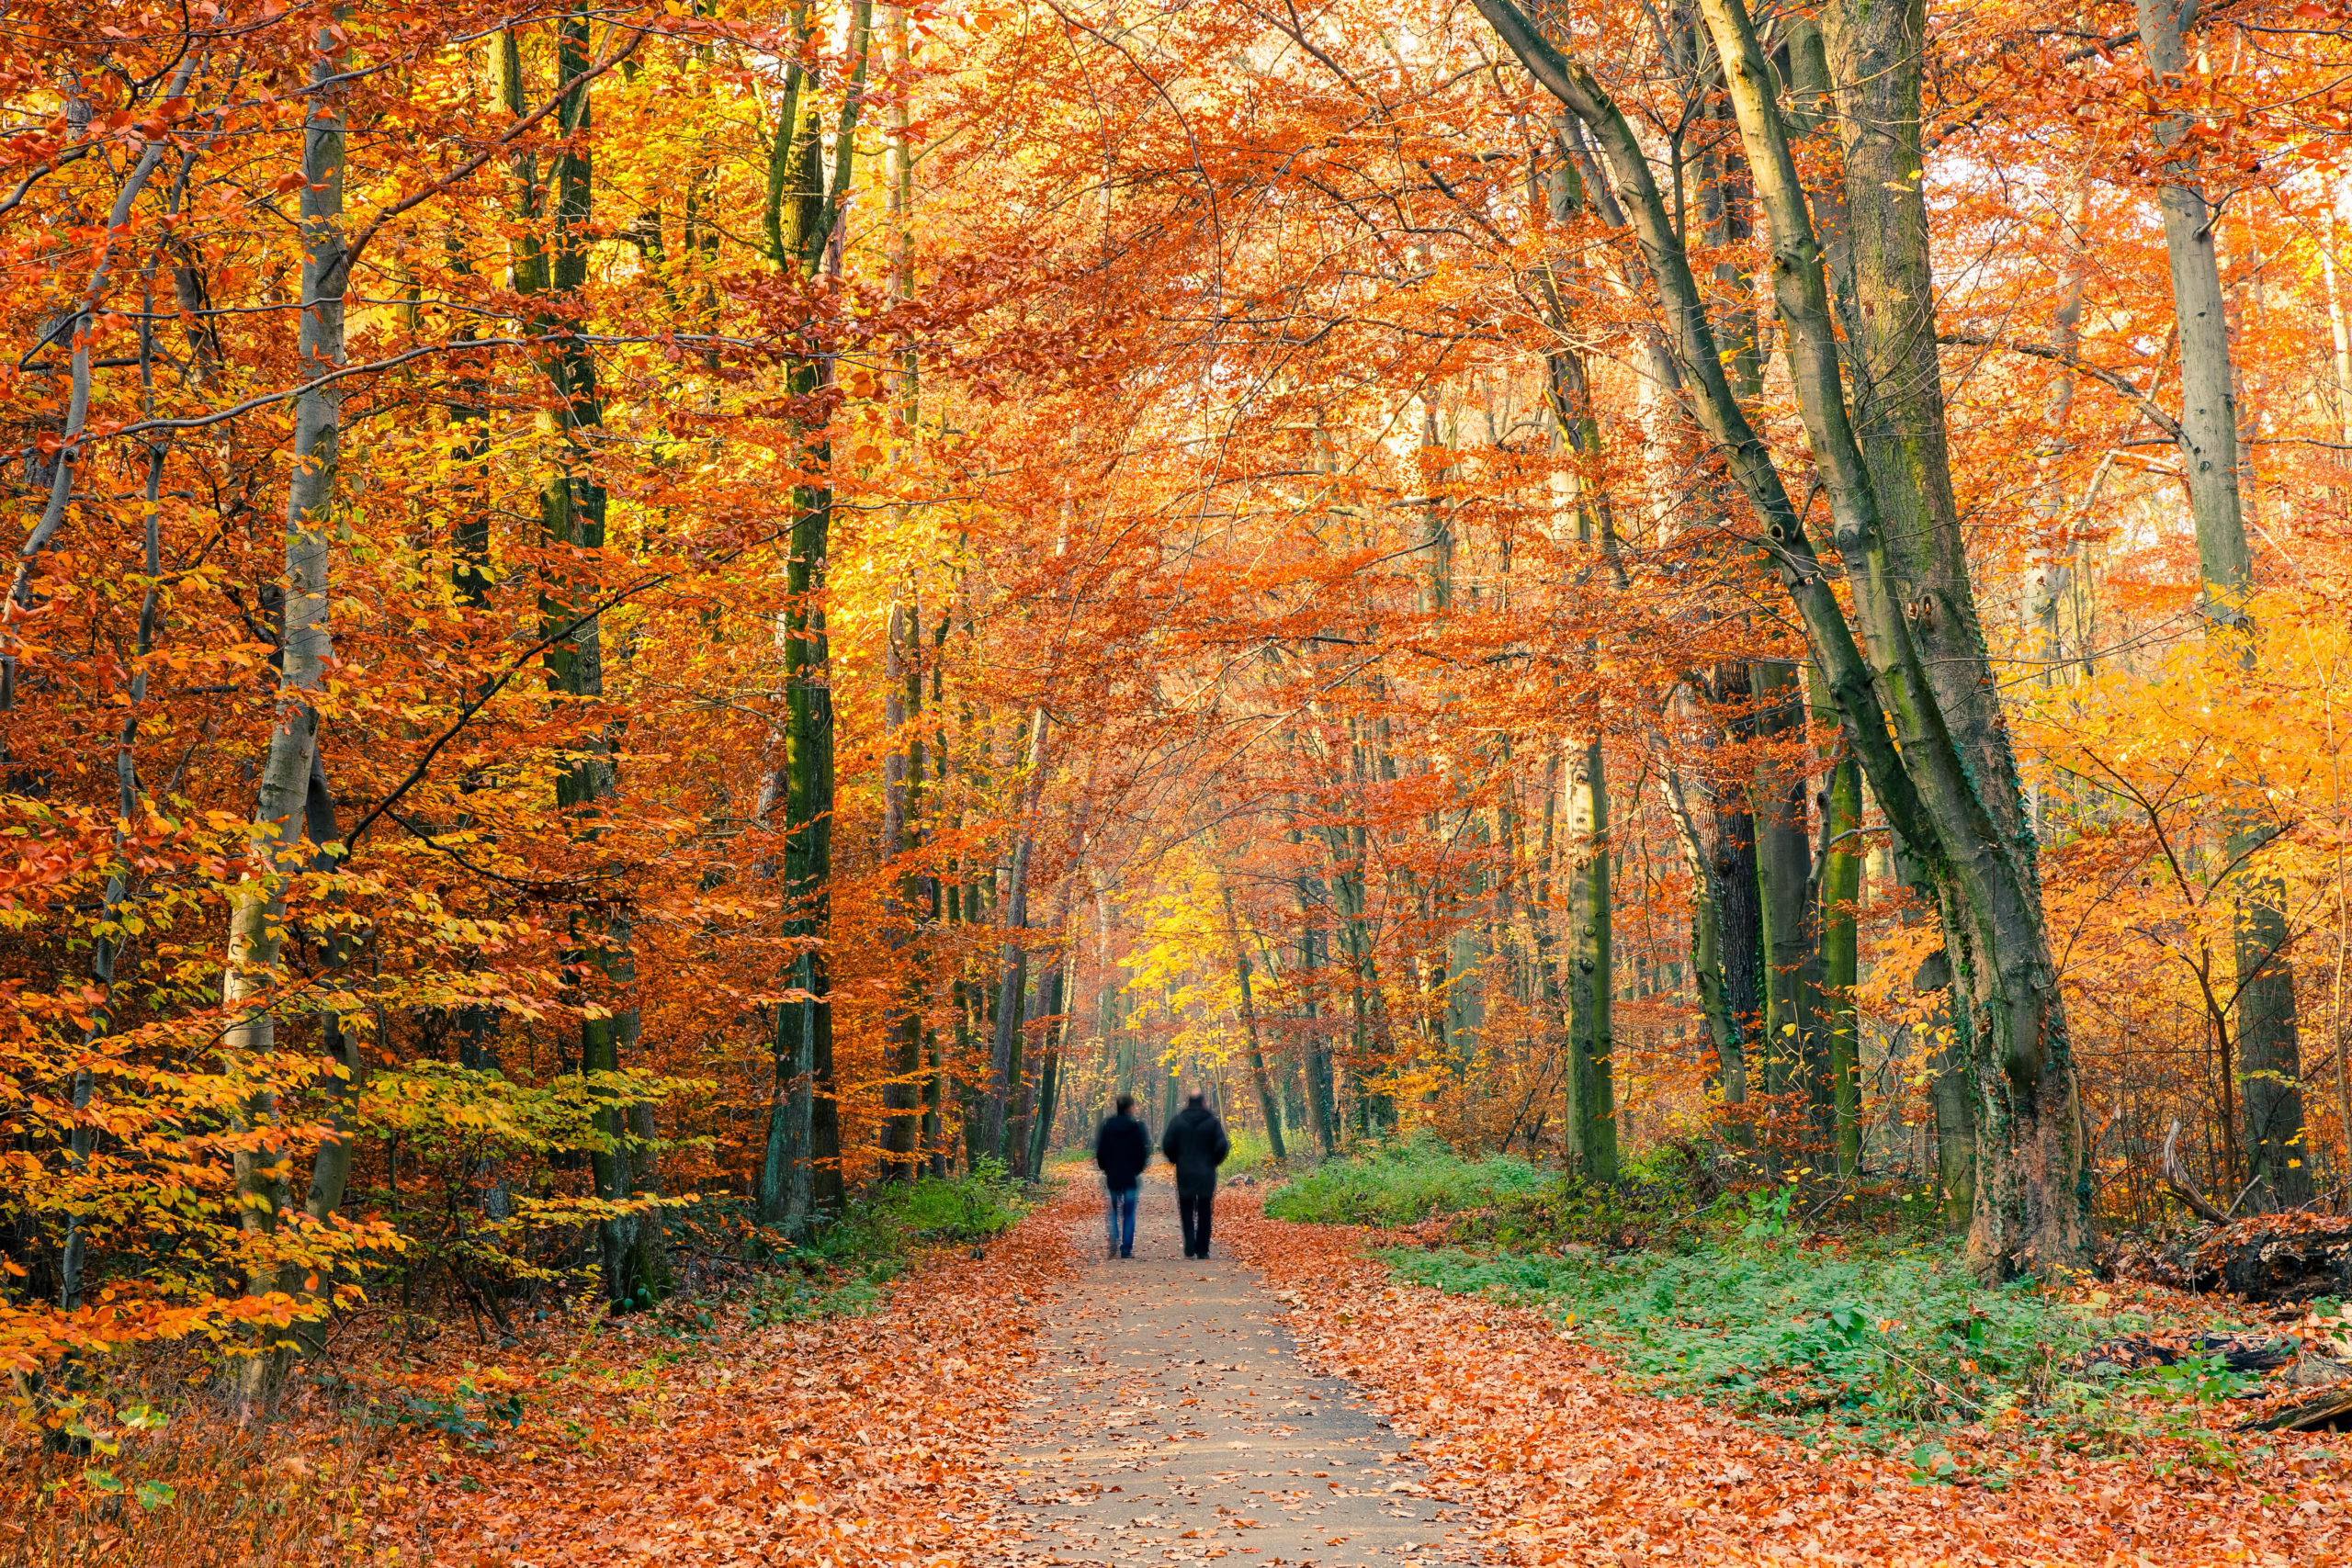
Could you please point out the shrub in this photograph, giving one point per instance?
(839, 1269)
(1401, 1184)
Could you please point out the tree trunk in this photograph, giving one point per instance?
(1919, 708)
(1266, 1102)
(1839, 887)
(798, 222)
(901, 796)
(78, 329)
(470, 447)
(1954, 1098)
(1593, 1130)
(1706, 952)
(1049, 1072)
(572, 514)
(306, 647)
(2339, 327)
(2271, 1095)
(1014, 956)
(1740, 909)
(1783, 869)
(902, 762)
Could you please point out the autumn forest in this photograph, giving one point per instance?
(650, 640)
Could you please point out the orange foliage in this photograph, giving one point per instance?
(1205, 415)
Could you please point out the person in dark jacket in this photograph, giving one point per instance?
(1121, 1149)
(1195, 1146)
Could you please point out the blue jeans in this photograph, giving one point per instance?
(1119, 1219)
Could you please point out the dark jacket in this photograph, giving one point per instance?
(1195, 1146)
(1122, 1149)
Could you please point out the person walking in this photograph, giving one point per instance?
(1121, 1149)
(1195, 1146)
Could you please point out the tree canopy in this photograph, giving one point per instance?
(630, 621)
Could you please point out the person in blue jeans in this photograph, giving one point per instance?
(1121, 1149)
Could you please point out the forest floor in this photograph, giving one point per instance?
(1287, 1402)
(1563, 1459)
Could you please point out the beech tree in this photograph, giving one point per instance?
(632, 622)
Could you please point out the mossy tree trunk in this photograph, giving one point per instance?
(1592, 1127)
(800, 1176)
(1910, 671)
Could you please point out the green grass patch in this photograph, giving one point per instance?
(1401, 1184)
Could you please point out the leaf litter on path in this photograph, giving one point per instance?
(1033, 1407)
(1174, 1422)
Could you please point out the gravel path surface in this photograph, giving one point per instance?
(1173, 1421)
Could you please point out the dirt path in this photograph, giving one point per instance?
(1173, 1420)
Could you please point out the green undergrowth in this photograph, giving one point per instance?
(1660, 1200)
(1875, 1343)
(1400, 1184)
(1251, 1156)
(1865, 1335)
(892, 1222)
(842, 1266)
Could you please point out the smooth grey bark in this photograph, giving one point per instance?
(2268, 1055)
(2209, 418)
(306, 647)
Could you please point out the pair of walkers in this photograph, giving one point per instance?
(1196, 1145)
